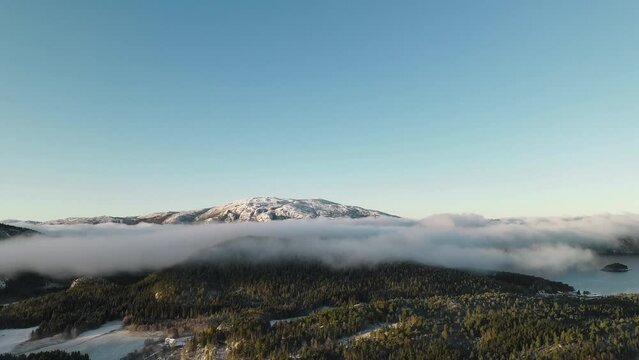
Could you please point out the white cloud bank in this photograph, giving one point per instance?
(537, 245)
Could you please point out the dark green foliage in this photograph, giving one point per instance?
(70, 312)
(534, 283)
(276, 289)
(25, 285)
(388, 311)
(615, 267)
(49, 355)
(472, 326)
(7, 231)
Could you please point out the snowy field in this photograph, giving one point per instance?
(10, 338)
(108, 342)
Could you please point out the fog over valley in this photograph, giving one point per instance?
(531, 245)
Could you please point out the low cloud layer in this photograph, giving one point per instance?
(534, 245)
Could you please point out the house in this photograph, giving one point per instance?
(176, 343)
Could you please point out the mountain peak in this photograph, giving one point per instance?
(258, 209)
(272, 208)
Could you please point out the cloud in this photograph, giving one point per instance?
(454, 220)
(534, 245)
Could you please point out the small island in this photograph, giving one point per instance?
(615, 267)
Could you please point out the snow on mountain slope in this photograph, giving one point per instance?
(270, 208)
(258, 209)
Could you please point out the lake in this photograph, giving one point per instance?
(602, 282)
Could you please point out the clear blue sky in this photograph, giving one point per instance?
(411, 107)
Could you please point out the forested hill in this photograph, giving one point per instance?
(388, 311)
(47, 355)
(280, 290)
(7, 231)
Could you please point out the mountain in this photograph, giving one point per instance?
(626, 245)
(7, 231)
(259, 209)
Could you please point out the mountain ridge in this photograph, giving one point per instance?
(255, 209)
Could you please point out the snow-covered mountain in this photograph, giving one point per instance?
(254, 209)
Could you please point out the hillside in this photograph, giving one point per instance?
(310, 311)
(7, 231)
(259, 209)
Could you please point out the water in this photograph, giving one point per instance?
(602, 282)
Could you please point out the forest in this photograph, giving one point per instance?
(46, 355)
(313, 311)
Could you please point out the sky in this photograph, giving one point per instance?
(504, 108)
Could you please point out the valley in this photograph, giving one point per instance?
(313, 279)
